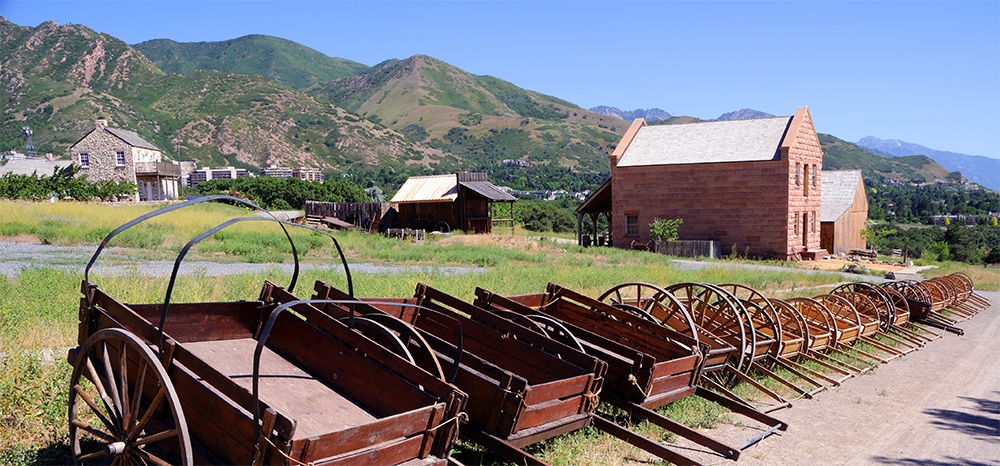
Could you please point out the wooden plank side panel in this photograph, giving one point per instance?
(395, 452)
(558, 389)
(556, 412)
(206, 321)
(388, 430)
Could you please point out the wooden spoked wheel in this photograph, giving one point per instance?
(715, 312)
(123, 409)
(763, 315)
(885, 310)
(655, 302)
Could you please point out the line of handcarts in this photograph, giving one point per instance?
(339, 379)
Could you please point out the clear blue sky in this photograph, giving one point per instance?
(923, 72)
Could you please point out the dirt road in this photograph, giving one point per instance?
(936, 406)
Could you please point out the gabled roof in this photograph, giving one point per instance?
(444, 188)
(487, 190)
(132, 138)
(708, 142)
(838, 192)
(435, 188)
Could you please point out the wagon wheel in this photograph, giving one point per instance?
(651, 300)
(715, 312)
(886, 313)
(899, 305)
(792, 323)
(820, 321)
(763, 314)
(129, 396)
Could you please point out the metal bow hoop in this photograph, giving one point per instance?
(170, 208)
(187, 247)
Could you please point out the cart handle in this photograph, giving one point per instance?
(187, 247)
(163, 210)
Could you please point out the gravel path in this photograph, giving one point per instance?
(18, 256)
(937, 406)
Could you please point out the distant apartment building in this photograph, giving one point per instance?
(218, 173)
(302, 173)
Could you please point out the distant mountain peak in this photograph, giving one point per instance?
(652, 115)
(744, 114)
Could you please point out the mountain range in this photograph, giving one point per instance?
(978, 169)
(259, 100)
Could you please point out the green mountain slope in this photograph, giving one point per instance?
(842, 155)
(283, 61)
(58, 79)
(481, 119)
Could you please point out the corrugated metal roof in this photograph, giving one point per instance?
(487, 190)
(838, 191)
(436, 188)
(131, 137)
(709, 142)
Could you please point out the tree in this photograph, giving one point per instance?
(663, 230)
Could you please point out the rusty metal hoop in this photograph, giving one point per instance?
(132, 397)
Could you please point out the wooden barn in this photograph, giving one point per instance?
(753, 186)
(844, 211)
(462, 201)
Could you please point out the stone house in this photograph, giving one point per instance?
(120, 155)
(754, 186)
(845, 211)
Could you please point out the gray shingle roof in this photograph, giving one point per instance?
(132, 138)
(708, 142)
(838, 191)
(28, 166)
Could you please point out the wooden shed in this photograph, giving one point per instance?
(843, 211)
(462, 201)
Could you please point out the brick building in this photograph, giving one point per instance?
(120, 155)
(752, 185)
(844, 212)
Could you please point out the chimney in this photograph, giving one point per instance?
(102, 123)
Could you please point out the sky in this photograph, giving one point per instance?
(924, 72)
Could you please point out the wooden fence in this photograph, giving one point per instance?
(368, 216)
(710, 249)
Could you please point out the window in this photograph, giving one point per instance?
(798, 169)
(119, 159)
(814, 176)
(812, 224)
(631, 225)
(795, 221)
(84, 159)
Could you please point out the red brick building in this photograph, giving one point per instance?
(752, 185)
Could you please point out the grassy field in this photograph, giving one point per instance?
(38, 308)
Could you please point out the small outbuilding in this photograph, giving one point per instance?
(462, 201)
(843, 211)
